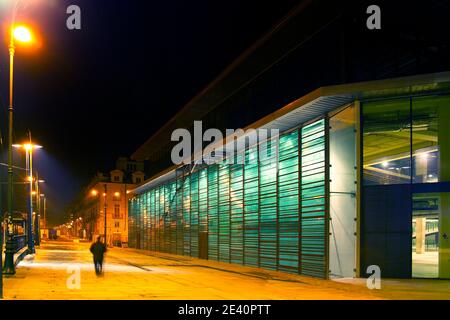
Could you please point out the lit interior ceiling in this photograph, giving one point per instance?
(389, 136)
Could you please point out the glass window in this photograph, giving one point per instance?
(117, 211)
(387, 142)
(288, 202)
(430, 127)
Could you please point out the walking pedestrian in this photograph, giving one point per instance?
(98, 250)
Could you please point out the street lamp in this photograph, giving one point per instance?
(37, 220)
(19, 34)
(29, 147)
(105, 208)
(95, 193)
(44, 209)
(22, 34)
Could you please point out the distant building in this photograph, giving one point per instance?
(87, 213)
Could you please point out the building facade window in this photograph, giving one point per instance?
(117, 211)
(430, 130)
(387, 142)
(402, 140)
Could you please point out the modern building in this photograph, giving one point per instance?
(106, 194)
(359, 175)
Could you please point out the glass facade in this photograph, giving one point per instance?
(402, 140)
(325, 200)
(387, 142)
(267, 211)
(406, 176)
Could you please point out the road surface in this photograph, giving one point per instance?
(132, 274)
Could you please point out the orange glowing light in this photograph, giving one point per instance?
(27, 146)
(22, 34)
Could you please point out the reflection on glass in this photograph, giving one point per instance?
(391, 132)
(387, 142)
(427, 133)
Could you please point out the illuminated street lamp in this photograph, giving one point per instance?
(29, 147)
(22, 34)
(19, 34)
(44, 209)
(37, 220)
(105, 212)
(95, 193)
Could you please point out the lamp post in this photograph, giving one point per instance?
(29, 147)
(94, 193)
(20, 34)
(37, 225)
(44, 209)
(105, 208)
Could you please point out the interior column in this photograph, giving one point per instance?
(420, 235)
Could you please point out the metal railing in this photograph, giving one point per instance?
(20, 242)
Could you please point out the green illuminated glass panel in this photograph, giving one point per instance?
(224, 213)
(160, 218)
(237, 210)
(213, 213)
(146, 229)
(165, 218)
(187, 216)
(172, 217)
(132, 223)
(179, 216)
(268, 204)
(141, 222)
(313, 211)
(288, 203)
(194, 229)
(152, 220)
(203, 200)
(251, 208)
(137, 221)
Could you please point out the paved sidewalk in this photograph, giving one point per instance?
(133, 274)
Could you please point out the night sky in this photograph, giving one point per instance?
(93, 95)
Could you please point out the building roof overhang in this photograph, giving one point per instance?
(322, 101)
